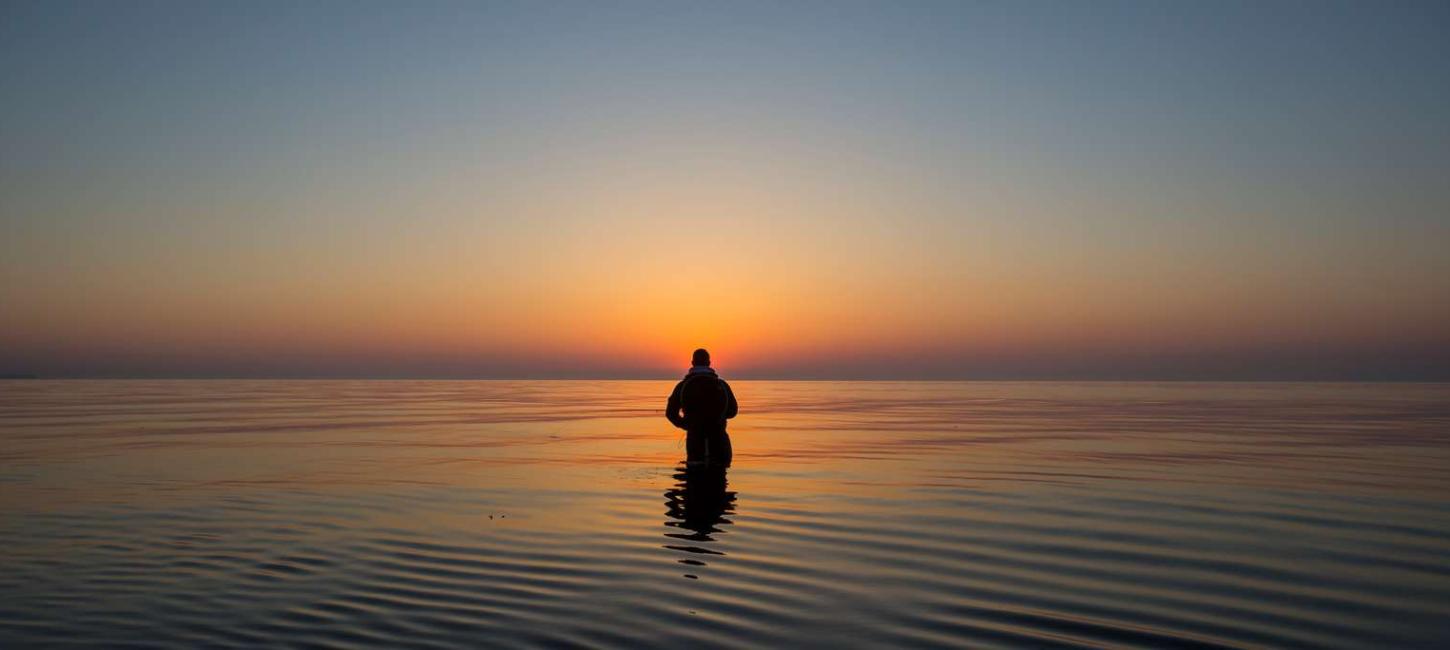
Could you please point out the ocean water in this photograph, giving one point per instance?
(181, 514)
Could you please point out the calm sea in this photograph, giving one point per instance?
(463, 514)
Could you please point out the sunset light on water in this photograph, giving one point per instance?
(385, 513)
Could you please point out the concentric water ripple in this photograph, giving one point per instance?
(547, 514)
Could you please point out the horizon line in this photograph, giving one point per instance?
(1224, 380)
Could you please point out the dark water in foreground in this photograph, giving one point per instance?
(446, 514)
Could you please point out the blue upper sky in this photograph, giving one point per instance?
(1264, 182)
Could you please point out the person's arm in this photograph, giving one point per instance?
(731, 408)
(672, 407)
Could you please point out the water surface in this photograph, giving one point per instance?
(454, 513)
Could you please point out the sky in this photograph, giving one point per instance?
(894, 190)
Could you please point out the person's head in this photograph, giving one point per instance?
(700, 358)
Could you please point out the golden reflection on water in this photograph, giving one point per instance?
(858, 437)
(915, 513)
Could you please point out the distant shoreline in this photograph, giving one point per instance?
(755, 379)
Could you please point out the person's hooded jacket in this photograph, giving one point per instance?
(705, 399)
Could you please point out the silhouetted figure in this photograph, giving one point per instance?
(698, 505)
(706, 402)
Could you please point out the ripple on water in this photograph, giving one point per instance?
(547, 514)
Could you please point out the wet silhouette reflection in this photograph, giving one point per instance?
(697, 507)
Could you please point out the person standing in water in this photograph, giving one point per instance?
(706, 402)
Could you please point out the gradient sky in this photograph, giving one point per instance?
(915, 190)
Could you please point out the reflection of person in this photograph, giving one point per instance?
(707, 403)
(698, 503)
